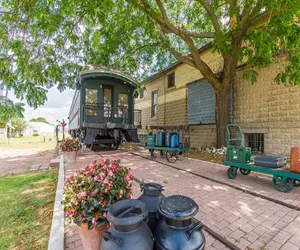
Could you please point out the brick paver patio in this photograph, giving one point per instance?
(247, 221)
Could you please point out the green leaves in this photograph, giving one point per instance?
(9, 110)
(19, 124)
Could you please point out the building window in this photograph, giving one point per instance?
(255, 142)
(154, 104)
(142, 94)
(171, 80)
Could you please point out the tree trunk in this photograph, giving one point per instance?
(222, 114)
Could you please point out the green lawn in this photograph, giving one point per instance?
(26, 205)
(25, 142)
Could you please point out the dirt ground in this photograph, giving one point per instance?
(16, 161)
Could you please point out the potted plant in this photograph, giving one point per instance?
(89, 193)
(69, 147)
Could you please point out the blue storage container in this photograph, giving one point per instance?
(151, 140)
(160, 139)
(174, 141)
(168, 136)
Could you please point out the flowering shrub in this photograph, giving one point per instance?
(70, 144)
(90, 192)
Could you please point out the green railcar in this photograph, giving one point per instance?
(102, 110)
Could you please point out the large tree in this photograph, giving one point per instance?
(19, 125)
(142, 36)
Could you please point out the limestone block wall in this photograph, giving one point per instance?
(268, 108)
(202, 136)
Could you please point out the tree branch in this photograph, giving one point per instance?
(201, 35)
(211, 14)
(167, 27)
(162, 9)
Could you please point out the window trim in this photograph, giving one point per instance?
(140, 96)
(168, 78)
(153, 105)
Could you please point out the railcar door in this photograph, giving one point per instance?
(107, 103)
(92, 105)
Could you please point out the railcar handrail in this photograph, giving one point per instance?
(95, 113)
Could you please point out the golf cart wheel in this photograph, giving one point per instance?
(180, 156)
(171, 156)
(282, 187)
(296, 183)
(244, 171)
(231, 173)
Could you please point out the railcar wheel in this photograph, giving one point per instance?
(231, 172)
(244, 171)
(115, 146)
(171, 156)
(282, 187)
(296, 183)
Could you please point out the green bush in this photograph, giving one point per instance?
(36, 134)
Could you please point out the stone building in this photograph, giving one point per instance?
(268, 113)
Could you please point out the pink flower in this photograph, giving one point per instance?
(75, 175)
(96, 178)
(110, 173)
(104, 167)
(117, 159)
(128, 176)
(121, 193)
(83, 194)
(105, 181)
(104, 203)
(104, 215)
(95, 193)
(94, 220)
(102, 176)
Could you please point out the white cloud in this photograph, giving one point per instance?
(55, 108)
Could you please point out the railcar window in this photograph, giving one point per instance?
(123, 104)
(91, 99)
(107, 97)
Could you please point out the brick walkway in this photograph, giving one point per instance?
(247, 221)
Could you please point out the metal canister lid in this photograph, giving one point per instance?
(178, 207)
(127, 212)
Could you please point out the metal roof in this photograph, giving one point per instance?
(101, 70)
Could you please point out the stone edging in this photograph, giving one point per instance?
(56, 240)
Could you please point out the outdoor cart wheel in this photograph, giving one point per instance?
(231, 172)
(180, 156)
(162, 155)
(296, 183)
(281, 185)
(244, 171)
(171, 156)
(153, 155)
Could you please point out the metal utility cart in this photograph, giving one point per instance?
(239, 157)
(171, 153)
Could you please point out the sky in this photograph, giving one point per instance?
(55, 108)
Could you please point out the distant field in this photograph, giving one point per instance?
(47, 141)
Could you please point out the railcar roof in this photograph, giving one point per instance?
(100, 70)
